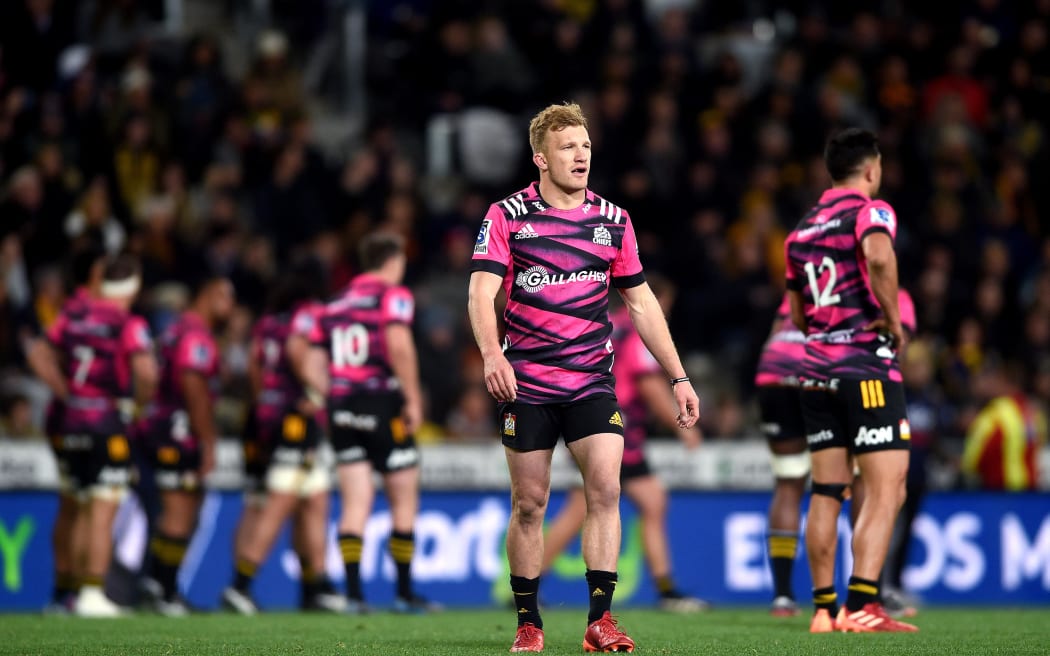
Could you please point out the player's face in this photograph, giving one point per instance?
(876, 174)
(400, 261)
(566, 157)
(222, 300)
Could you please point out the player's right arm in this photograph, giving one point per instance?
(481, 305)
(43, 360)
(490, 263)
(306, 354)
(145, 373)
(198, 406)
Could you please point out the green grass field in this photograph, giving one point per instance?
(943, 631)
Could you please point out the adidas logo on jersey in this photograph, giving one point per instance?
(874, 436)
(526, 233)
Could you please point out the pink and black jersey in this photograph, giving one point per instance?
(352, 330)
(281, 389)
(826, 264)
(557, 266)
(56, 410)
(784, 353)
(633, 361)
(186, 346)
(97, 340)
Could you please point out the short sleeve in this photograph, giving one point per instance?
(197, 352)
(627, 267)
(56, 330)
(306, 323)
(398, 306)
(876, 216)
(492, 247)
(135, 336)
(794, 282)
(907, 309)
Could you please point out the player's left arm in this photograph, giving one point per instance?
(653, 389)
(145, 373)
(648, 319)
(798, 311)
(44, 362)
(876, 229)
(401, 348)
(307, 355)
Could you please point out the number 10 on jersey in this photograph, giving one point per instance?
(823, 297)
(349, 345)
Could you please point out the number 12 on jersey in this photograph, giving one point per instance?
(823, 297)
(349, 345)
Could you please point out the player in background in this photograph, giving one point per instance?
(360, 354)
(777, 382)
(182, 434)
(295, 483)
(554, 248)
(842, 282)
(642, 392)
(101, 354)
(88, 266)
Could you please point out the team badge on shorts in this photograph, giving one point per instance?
(509, 421)
(616, 419)
(905, 428)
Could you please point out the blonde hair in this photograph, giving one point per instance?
(556, 118)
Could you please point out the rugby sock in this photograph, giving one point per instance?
(827, 599)
(91, 580)
(664, 585)
(350, 546)
(781, 547)
(311, 581)
(65, 585)
(861, 592)
(402, 546)
(246, 570)
(168, 553)
(526, 600)
(601, 585)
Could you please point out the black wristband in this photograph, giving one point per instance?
(675, 381)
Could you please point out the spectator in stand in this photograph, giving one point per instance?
(16, 419)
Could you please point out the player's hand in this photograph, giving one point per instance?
(688, 404)
(500, 380)
(207, 460)
(412, 415)
(308, 408)
(690, 437)
(895, 331)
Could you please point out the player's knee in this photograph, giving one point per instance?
(602, 494)
(530, 505)
(837, 491)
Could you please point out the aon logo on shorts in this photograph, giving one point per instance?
(874, 436)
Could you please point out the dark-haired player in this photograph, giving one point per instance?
(87, 270)
(555, 248)
(363, 358)
(102, 350)
(182, 435)
(842, 281)
(293, 479)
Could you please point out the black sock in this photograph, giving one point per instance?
(827, 599)
(168, 553)
(861, 592)
(311, 582)
(350, 545)
(65, 585)
(665, 585)
(781, 547)
(402, 547)
(600, 585)
(526, 600)
(246, 570)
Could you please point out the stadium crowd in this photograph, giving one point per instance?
(108, 134)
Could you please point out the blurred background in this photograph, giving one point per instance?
(244, 133)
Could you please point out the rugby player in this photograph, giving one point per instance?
(101, 351)
(842, 282)
(358, 351)
(555, 248)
